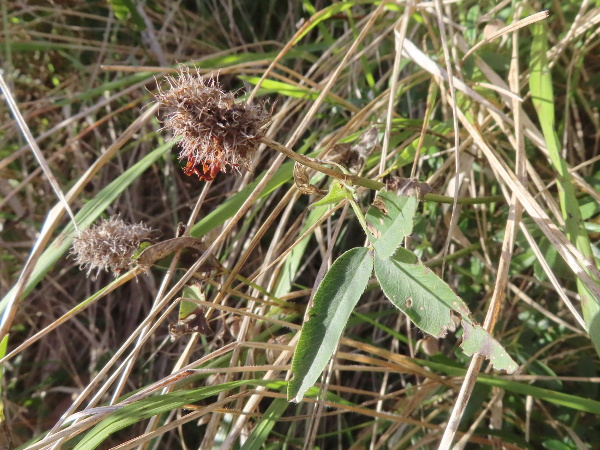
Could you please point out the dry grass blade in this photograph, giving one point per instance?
(530, 20)
(35, 149)
(573, 257)
(508, 245)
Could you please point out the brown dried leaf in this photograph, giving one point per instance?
(163, 249)
(408, 187)
(193, 323)
(302, 182)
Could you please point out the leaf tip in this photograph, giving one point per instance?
(477, 341)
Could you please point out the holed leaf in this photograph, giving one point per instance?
(389, 220)
(477, 340)
(418, 292)
(428, 301)
(334, 301)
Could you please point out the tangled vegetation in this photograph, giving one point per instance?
(313, 236)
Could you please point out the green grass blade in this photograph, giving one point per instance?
(540, 84)
(263, 428)
(146, 408)
(292, 262)
(324, 14)
(526, 389)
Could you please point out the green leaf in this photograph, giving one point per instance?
(418, 292)
(478, 341)
(337, 193)
(187, 307)
(334, 301)
(126, 9)
(428, 301)
(389, 220)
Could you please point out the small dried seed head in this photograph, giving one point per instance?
(109, 245)
(216, 131)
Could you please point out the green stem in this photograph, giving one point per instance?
(360, 216)
(366, 182)
(463, 200)
(309, 162)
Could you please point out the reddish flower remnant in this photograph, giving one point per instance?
(216, 131)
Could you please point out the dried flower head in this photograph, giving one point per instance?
(109, 245)
(216, 131)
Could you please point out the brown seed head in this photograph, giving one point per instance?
(109, 245)
(216, 131)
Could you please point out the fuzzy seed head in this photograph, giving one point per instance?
(109, 245)
(216, 131)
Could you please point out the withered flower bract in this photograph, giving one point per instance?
(216, 131)
(109, 245)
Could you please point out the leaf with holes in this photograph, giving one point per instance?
(478, 341)
(429, 303)
(389, 220)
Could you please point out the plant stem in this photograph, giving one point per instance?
(309, 162)
(366, 182)
(463, 200)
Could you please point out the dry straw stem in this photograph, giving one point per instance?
(125, 278)
(145, 332)
(572, 256)
(510, 235)
(34, 146)
(286, 226)
(530, 20)
(55, 434)
(302, 127)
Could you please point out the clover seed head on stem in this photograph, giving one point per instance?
(109, 245)
(216, 130)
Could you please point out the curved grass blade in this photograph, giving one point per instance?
(542, 95)
(324, 14)
(146, 408)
